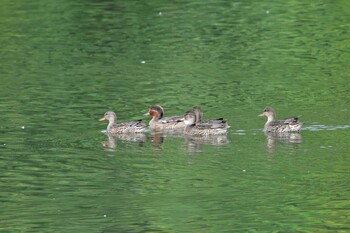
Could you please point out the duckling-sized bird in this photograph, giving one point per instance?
(159, 122)
(125, 127)
(281, 126)
(211, 127)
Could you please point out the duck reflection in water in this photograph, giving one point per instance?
(195, 143)
(157, 138)
(291, 139)
(111, 143)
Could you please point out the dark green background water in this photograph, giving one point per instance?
(64, 63)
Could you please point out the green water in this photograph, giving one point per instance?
(64, 63)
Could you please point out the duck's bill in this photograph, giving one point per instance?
(261, 115)
(102, 119)
(146, 114)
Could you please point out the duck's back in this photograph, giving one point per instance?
(214, 123)
(286, 125)
(129, 127)
(168, 123)
(209, 127)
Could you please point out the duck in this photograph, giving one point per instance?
(199, 115)
(196, 127)
(280, 126)
(126, 127)
(158, 122)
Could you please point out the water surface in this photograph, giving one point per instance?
(63, 64)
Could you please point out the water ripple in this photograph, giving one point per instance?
(325, 127)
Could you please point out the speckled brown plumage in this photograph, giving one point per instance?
(198, 127)
(280, 126)
(125, 127)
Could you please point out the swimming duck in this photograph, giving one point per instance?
(159, 122)
(199, 114)
(282, 126)
(210, 127)
(125, 127)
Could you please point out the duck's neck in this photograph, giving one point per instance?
(111, 123)
(270, 118)
(190, 121)
(198, 116)
(152, 123)
(155, 118)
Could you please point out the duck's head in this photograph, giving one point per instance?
(199, 114)
(190, 118)
(109, 116)
(269, 113)
(156, 111)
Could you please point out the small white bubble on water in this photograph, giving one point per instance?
(267, 12)
(105, 215)
(243, 170)
(160, 13)
(143, 62)
(23, 127)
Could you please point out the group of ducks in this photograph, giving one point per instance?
(192, 123)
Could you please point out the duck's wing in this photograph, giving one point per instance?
(216, 123)
(218, 120)
(290, 121)
(287, 125)
(212, 124)
(173, 119)
(134, 123)
(277, 123)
